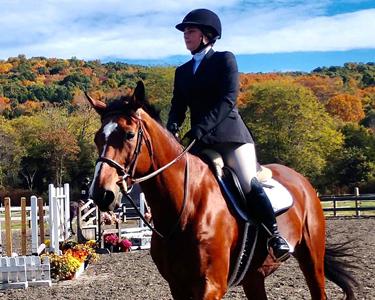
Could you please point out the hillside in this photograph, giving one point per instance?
(47, 128)
(26, 85)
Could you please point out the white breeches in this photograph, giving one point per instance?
(242, 159)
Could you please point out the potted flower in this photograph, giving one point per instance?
(111, 242)
(125, 245)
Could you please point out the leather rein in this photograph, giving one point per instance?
(126, 174)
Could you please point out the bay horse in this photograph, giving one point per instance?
(198, 236)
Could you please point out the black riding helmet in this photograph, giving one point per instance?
(204, 19)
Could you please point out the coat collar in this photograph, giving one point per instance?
(203, 62)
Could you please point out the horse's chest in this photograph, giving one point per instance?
(175, 260)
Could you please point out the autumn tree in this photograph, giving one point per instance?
(346, 107)
(291, 127)
(323, 87)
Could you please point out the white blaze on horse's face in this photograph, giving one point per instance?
(108, 129)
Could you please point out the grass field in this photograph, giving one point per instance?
(350, 205)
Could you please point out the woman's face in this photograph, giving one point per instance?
(193, 37)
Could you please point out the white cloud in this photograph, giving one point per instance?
(93, 29)
(340, 32)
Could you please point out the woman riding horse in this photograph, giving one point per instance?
(208, 85)
(198, 238)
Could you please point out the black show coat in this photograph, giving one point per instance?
(211, 95)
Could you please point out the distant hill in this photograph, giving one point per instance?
(27, 85)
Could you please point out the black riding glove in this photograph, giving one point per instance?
(193, 134)
(173, 128)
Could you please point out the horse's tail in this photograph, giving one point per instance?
(339, 270)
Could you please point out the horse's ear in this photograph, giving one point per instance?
(138, 98)
(98, 105)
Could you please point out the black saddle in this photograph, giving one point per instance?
(229, 184)
(232, 190)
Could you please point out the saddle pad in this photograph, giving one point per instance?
(279, 196)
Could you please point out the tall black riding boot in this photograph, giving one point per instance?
(260, 207)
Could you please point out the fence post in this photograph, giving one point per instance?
(41, 219)
(34, 225)
(60, 211)
(357, 202)
(67, 228)
(334, 207)
(23, 225)
(8, 227)
(54, 218)
(51, 192)
(1, 238)
(141, 208)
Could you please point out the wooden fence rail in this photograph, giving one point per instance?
(360, 205)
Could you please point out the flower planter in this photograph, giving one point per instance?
(79, 271)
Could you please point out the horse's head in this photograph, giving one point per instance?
(119, 144)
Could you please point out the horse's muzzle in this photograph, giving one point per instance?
(106, 200)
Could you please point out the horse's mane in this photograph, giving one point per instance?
(123, 105)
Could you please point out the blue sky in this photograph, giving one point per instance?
(271, 35)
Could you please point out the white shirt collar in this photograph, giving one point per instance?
(199, 56)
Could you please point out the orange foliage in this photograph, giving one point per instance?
(40, 79)
(39, 64)
(27, 82)
(30, 106)
(247, 80)
(323, 87)
(4, 103)
(368, 96)
(87, 71)
(347, 107)
(5, 67)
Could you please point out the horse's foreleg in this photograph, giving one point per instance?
(204, 290)
(179, 294)
(210, 290)
(254, 288)
(212, 284)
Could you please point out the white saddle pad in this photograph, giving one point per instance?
(279, 196)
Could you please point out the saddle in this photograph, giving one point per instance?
(231, 186)
(235, 197)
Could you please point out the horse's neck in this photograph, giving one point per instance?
(165, 147)
(165, 192)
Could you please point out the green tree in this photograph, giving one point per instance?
(35, 170)
(11, 153)
(51, 147)
(290, 126)
(84, 122)
(348, 168)
(77, 80)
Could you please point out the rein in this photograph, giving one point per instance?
(186, 191)
(128, 173)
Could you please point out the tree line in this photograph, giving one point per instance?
(320, 123)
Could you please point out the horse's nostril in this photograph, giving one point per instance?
(108, 197)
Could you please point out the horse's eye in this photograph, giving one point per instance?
(129, 135)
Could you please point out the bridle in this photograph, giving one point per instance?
(126, 174)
